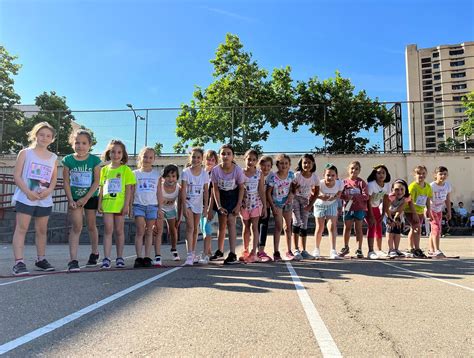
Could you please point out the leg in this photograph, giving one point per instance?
(287, 228)
(92, 229)
(360, 235)
(277, 214)
(262, 239)
(347, 231)
(221, 233)
(246, 234)
(196, 218)
(173, 233)
(41, 228)
(158, 223)
(332, 230)
(254, 223)
(318, 234)
(108, 231)
(188, 214)
(21, 228)
(232, 232)
(75, 231)
(119, 221)
(149, 239)
(140, 232)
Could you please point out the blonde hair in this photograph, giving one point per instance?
(39, 126)
(77, 133)
(106, 155)
(281, 157)
(210, 153)
(142, 153)
(419, 168)
(356, 162)
(194, 149)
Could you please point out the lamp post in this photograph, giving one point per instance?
(137, 116)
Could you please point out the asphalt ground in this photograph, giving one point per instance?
(358, 308)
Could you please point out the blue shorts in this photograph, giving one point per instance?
(171, 214)
(354, 215)
(322, 211)
(149, 212)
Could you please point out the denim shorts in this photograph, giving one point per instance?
(149, 212)
(354, 215)
(322, 211)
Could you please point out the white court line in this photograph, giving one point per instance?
(4, 348)
(31, 278)
(321, 333)
(428, 276)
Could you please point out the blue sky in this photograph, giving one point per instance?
(105, 54)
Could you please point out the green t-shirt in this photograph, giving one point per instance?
(419, 196)
(81, 174)
(113, 182)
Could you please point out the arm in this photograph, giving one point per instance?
(67, 188)
(270, 202)
(386, 205)
(448, 206)
(184, 188)
(261, 192)
(101, 195)
(132, 195)
(126, 206)
(314, 195)
(20, 161)
(236, 210)
(217, 198)
(206, 199)
(95, 185)
(52, 184)
(180, 206)
(159, 198)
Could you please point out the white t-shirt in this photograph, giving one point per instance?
(195, 189)
(440, 192)
(169, 199)
(323, 189)
(376, 192)
(146, 187)
(305, 184)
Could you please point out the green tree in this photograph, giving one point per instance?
(12, 118)
(234, 107)
(450, 145)
(158, 148)
(332, 109)
(467, 127)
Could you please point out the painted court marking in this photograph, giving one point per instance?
(428, 276)
(4, 348)
(321, 333)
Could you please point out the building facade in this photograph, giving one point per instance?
(437, 79)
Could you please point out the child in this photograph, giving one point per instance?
(254, 204)
(355, 196)
(116, 180)
(206, 219)
(441, 190)
(35, 177)
(146, 202)
(378, 190)
(280, 199)
(399, 198)
(228, 189)
(326, 208)
(195, 182)
(265, 163)
(306, 185)
(81, 174)
(420, 194)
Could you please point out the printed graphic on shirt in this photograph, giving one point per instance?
(226, 185)
(39, 176)
(146, 185)
(80, 179)
(113, 185)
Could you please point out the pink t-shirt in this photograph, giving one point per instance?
(358, 190)
(227, 181)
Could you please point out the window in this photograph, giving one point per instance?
(429, 110)
(428, 99)
(429, 122)
(425, 77)
(431, 140)
(458, 98)
(437, 77)
(458, 87)
(428, 94)
(457, 63)
(439, 111)
(428, 105)
(427, 83)
(435, 54)
(458, 74)
(429, 116)
(455, 52)
(426, 72)
(440, 123)
(427, 88)
(437, 88)
(459, 110)
(435, 65)
(424, 65)
(440, 135)
(425, 60)
(439, 99)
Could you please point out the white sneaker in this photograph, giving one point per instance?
(157, 262)
(392, 254)
(298, 256)
(316, 254)
(196, 258)
(372, 255)
(189, 259)
(333, 255)
(204, 260)
(381, 253)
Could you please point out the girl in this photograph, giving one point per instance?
(398, 200)
(35, 176)
(306, 186)
(206, 219)
(254, 205)
(146, 202)
(228, 189)
(195, 183)
(355, 196)
(81, 174)
(265, 164)
(116, 180)
(441, 196)
(170, 192)
(326, 208)
(378, 190)
(420, 194)
(280, 199)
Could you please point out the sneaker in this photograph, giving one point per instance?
(73, 266)
(400, 254)
(93, 258)
(44, 265)
(316, 254)
(298, 256)
(20, 269)
(175, 255)
(252, 258)
(419, 254)
(359, 254)
(306, 255)
(372, 255)
(381, 253)
(119, 262)
(147, 262)
(105, 263)
(393, 253)
(204, 260)
(244, 256)
(138, 262)
(344, 251)
(217, 255)
(157, 261)
(231, 259)
(289, 256)
(333, 255)
(196, 258)
(263, 257)
(439, 254)
(409, 253)
(277, 256)
(189, 259)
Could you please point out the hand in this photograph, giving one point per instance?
(371, 220)
(236, 210)
(307, 208)
(33, 195)
(448, 216)
(178, 222)
(428, 213)
(80, 202)
(263, 215)
(125, 211)
(210, 214)
(161, 214)
(222, 211)
(416, 219)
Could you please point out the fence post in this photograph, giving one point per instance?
(232, 132)
(59, 131)
(325, 130)
(1, 131)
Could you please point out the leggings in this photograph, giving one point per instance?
(300, 215)
(375, 231)
(263, 228)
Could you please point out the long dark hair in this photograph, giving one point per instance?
(404, 183)
(299, 166)
(373, 174)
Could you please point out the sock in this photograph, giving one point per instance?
(19, 260)
(40, 258)
(157, 257)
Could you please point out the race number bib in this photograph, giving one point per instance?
(146, 185)
(353, 191)
(226, 185)
(113, 186)
(421, 200)
(40, 172)
(80, 179)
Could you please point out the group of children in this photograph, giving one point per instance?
(212, 183)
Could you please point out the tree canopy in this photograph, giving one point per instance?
(467, 127)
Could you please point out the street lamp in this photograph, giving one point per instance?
(137, 116)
